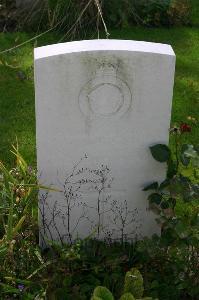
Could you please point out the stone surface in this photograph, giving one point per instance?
(100, 104)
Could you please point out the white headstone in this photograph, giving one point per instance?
(100, 104)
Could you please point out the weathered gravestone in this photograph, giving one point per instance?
(100, 104)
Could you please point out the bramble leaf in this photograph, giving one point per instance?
(155, 198)
(160, 152)
(152, 186)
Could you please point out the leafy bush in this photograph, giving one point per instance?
(14, 18)
(66, 13)
(173, 257)
(8, 18)
(179, 12)
(19, 252)
(117, 13)
(153, 12)
(163, 12)
(133, 288)
(147, 12)
(17, 192)
(76, 17)
(194, 12)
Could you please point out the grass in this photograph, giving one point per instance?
(17, 112)
(194, 12)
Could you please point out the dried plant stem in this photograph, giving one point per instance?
(77, 21)
(101, 15)
(70, 30)
(30, 40)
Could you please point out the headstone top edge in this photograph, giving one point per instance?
(102, 45)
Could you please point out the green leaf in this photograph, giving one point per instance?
(67, 281)
(9, 289)
(155, 284)
(184, 147)
(103, 293)
(164, 184)
(184, 160)
(164, 204)
(155, 198)
(190, 151)
(3, 249)
(160, 152)
(196, 174)
(172, 169)
(181, 230)
(127, 296)
(195, 161)
(172, 202)
(180, 286)
(152, 186)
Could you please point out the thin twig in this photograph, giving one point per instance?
(101, 15)
(77, 21)
(71, 29)
(30, 40)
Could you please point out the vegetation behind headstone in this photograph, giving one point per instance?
(80, 16)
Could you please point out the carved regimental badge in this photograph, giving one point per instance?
(105, 95)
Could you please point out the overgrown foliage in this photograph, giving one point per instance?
(169, 263)
(148, 13)
(133, 288)
(8, 15)
(174, 256)
(121, 13)
(76, 17)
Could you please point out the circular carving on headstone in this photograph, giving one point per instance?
(105, 96)
(105, 99)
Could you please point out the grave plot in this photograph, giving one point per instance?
(100, 104)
